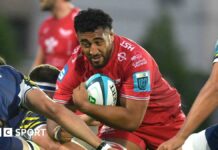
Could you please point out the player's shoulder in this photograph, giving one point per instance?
(76, 62)
(9, 71)
(47, 21)
(130, 46)
(45, 25)
(130, 49)
(76, 55)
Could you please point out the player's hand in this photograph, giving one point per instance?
(63, 136)
(172, 144)
(80, 95)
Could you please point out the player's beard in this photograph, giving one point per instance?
(103, 59)
(97, 64)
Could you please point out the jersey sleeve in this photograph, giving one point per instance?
(138, 76)
(68, 79)
(25, 86)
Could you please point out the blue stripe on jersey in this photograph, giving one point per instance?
(46, 88)
(212, 137)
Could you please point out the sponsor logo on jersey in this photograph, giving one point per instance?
(121, 56)
(65, 32)
(139, 62)
(63, 73)
(136, 57)
(51, 43)
(142, 81)
(127, 45)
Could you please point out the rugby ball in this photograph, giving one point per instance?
(101, 90)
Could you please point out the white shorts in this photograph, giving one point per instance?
(196, 141)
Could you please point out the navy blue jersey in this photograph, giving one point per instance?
(10, 81)
(212, 137)
(13, 89)
(16, 121)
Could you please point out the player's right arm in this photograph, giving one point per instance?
(37, 101)
(40, 103)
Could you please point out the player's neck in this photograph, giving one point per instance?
(62, 10)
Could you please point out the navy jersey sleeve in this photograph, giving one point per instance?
(10, 80)
(13, 89)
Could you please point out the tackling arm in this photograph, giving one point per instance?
(205, 103)
(39, 102)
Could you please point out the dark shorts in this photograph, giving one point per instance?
(212, 137)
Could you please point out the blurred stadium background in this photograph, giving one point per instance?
(180, 34)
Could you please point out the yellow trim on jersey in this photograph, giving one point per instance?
(25, 125)
(30, 118)
(35, 124)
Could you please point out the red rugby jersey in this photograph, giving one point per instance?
(57, 38)
(136, 75)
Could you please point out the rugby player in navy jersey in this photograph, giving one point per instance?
(17, 91)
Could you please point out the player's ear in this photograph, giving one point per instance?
(112, 34)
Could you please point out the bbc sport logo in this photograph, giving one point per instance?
(9, 132)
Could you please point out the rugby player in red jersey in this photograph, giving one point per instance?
(57, 37)
(148, 110)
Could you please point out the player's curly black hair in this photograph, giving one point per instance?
(91, 19)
